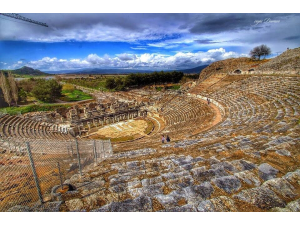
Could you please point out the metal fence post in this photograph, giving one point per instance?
(95, 151)
(110, 148)
(9, 146)
(103, 150)
(61, 182)
(37, 184)
(78, 157)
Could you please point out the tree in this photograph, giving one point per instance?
(258, 51)
(110, 83)
(13, 87)
(22, 95)
(119, 84)
(5, 89)
(47, 90)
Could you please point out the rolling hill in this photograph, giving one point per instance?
(28, 71)
(196, 70)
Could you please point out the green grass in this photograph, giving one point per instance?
(74, 95)
(28, 76)
(174, 87)
(97, 84)
(32, 108)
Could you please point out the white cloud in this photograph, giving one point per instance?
(138, 61)
(138, 48)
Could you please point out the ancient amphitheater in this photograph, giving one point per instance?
(238, 153)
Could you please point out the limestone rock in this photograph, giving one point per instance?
(294, 206)
(261, 197)
(224, 165)
(48, 207)
(248, 177)
(283, 152)
(168, 201)
(281, 186)
(75, 178)
(267, 172)
(228, 183)
(105, 208)
(242, 165)
(293, 177)
(142, 203)
(277, 209)
(206, 206)
(190, 196)
(204, 190)
(184, 208)
(223, 204)
(74, 204)
(19, 208)
(91, 201)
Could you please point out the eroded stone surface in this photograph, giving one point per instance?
(283, 152)
(206, 206)
(261, 197)
(75, 204)
(267, 172)
(184, 208)
(223, 204)
(248, 177)
(293, 176)
(228, 183)
(281, 186)
(204, 190)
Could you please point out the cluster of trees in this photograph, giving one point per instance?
(142, 79)
(9, 88)
(47, 90)
(115, 83)
(259, 51)
(43, 90)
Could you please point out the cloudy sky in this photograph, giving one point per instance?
(140, 41)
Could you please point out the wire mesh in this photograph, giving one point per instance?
(54, 161)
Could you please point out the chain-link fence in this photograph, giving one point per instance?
(31, 168)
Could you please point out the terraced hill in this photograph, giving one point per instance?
(287, 61)
(230, 66)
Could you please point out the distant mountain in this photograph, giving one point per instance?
(28, 71)
(194, 70)
(121, 71)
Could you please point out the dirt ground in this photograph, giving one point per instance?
(121, 129)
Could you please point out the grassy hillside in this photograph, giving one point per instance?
(28, 71)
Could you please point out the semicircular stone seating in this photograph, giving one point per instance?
(248, 162)
(18, 128)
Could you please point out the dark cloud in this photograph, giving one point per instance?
(218, 23)
(132, 27)
(206, 41)
(292, 38)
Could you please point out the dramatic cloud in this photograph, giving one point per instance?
(138, 27)
(218, 23)
(154, 61)
(150, 39)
